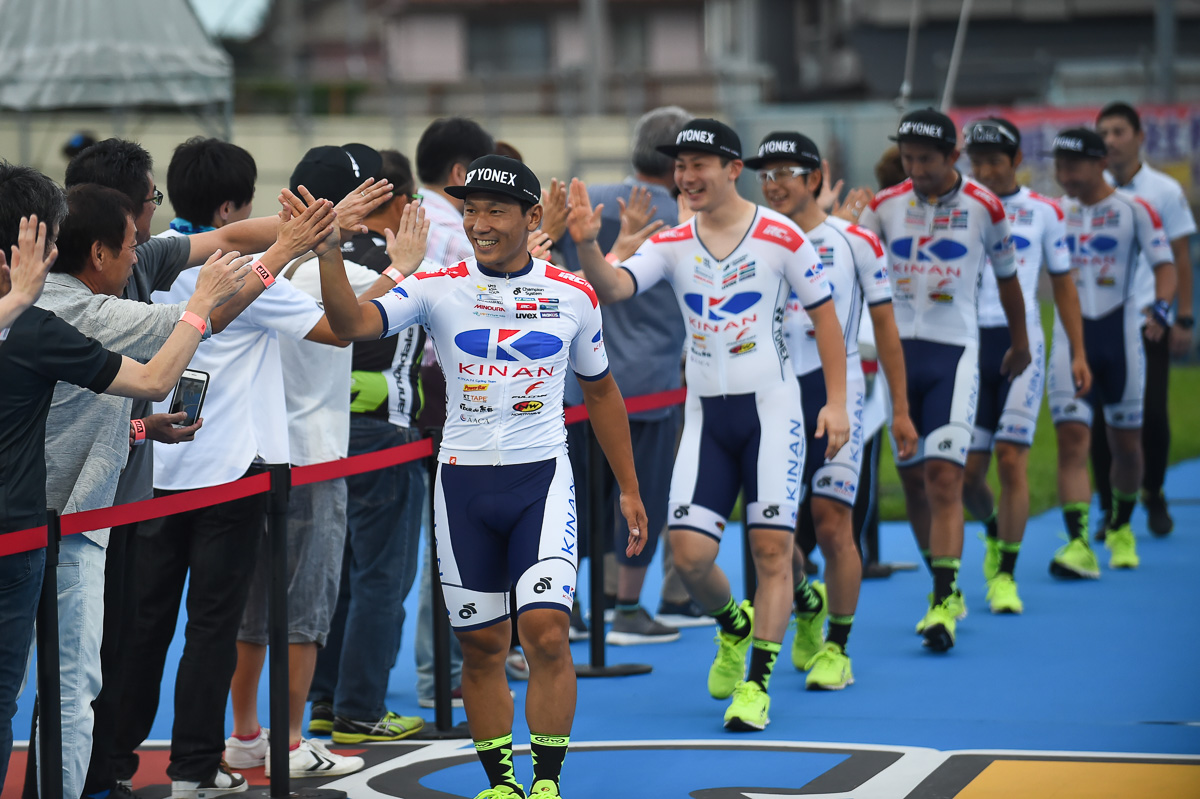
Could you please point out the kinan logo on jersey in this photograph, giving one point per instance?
(927, 248)
(515, 346)
(1090, 244)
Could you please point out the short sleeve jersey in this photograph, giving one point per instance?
(504, 341)
(734, 307)
(938, 247)
(854, 263)
(1105, 241)
(1039, 239)
(1165, 196)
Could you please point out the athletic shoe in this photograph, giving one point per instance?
(991, 557)
(748, 710)
(1075, 560)
(544, 789)
(1158, 518)
(683, 614)
(729, 666)
(1122, 549)
(320, 720)
(502, 792)
(515, 665)
(578, 630)
(956, 603)
(222, 783)
(1002, 595)
(810, 630)
(638, 628)
(938, 626)
(247, 754)
(312, 759)
(829, 669)
(120, 790)
(389, 728)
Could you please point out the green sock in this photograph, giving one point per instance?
(945, 576)
(839, 630)
(1123, 505)
(1008, 556)
(1075, 514)
(807, 599)
(762, 661)
(993, 531)
(548, 753)
(731, 619)
(496, 755)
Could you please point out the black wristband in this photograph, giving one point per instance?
(1185, 322)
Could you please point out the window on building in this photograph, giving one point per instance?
(509, 47)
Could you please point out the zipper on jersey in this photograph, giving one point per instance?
(501, 416)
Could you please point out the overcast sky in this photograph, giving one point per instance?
(233, 19)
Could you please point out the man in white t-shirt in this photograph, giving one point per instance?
(1121, 128)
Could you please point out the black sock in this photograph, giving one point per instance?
(807, 599)
(839, 630)
(1123, 505)
(732, 619)
(928, 559)
(762, 661)
(1008, 556)
(1075, 514)
(496, 755)
(993, 531)
(945, 573)
(548, 753)
(627, 607)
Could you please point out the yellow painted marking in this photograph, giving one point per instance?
(1004, 779)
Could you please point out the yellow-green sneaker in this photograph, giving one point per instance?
(957, 605)
(1075, 560)
(939, 625)
(729, 666)
(748, 710)
(1002, 594)
(392, 727)
(1122, 549)
(991, 557)
(810, 630)
(505, 792)
(829, 669)
(544, 789)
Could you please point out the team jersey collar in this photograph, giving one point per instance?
(525, 270)
(1132, 178)
(958, 184)
(1012, 194)
(181, 225)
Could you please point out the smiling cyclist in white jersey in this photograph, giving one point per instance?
(733, 266)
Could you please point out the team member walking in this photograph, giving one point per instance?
(852, 260)
(941, 229)
(732, 266)
(1107, 230)
(505, 499)
(1008, 409)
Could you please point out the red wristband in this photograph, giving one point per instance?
(612, 258)
(137, 429)
(394, 273)
(194, 320)
(263, 273)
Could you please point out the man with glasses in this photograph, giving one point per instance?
(732, 267)
(941, 229)
(1008, 409)
(853, 261)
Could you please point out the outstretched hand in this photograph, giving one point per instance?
(555, 209)
(827, 200)
(855, 203)
(583, 221)
(637, 223)
(361, 203)
(25, 274)
(406, 247)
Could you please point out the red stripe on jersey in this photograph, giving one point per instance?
(988, 200)
(554, 273)
(1154, 217)
(872, 239)
(892, 191)
(458, 270)
(681, 233)
(779, 233)
(1033, 195)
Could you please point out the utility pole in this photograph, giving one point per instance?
(595, 73)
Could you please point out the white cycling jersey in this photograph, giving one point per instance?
(938, 247)
(855, 265)
(1039, 238)
(504, 342)
(733, 307)
(1105, 241)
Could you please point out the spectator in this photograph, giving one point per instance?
(445, 150)
(78, 142)
(379, 561)
(20, 284)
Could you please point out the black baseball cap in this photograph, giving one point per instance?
(705, 136)
(992, 133)
(499, 174)
(331, 173)
(927, 126)
(1079, 143)
(786, 145)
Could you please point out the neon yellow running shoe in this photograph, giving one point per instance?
(729, 666)
(1122, 549)
(810, 630)
(957, 605)
(829, 669)
(939, 625)
(1002, 595)
(505, 792)
(544, 789)
(1075, 560)
(991, 557)
(748, 710)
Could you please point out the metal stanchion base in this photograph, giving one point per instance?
(296, 793)
(431, 733)
(615, 670)
(901, 566)
(875, 571)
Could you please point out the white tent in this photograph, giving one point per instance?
(57, 54)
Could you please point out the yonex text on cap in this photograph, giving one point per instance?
(705, 136)
(786, 146)
(498, 174)
(995, 134)
(928, 126)
(1079, 143)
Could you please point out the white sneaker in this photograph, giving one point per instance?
(222, 783)
(247, 754)
(312, 759)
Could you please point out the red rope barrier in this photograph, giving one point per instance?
(84, 521)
